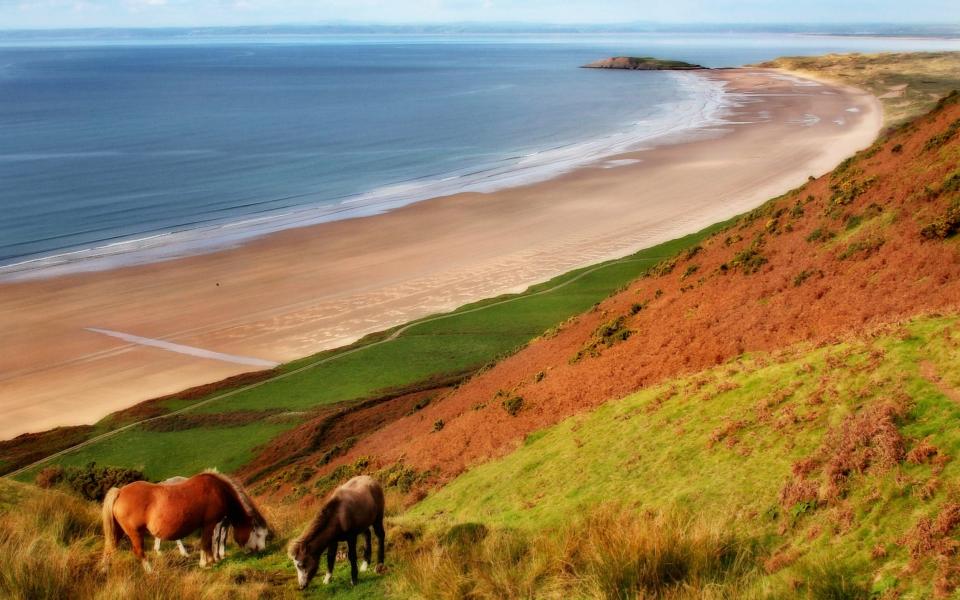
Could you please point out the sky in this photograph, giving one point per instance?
(154, 13)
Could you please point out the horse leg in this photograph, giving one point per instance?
(219, 541)
(156, 545)
(381, 539)
(136, 540)
(367, 549)
(206, 545)
(224, 533)
(352, 555)
(331, 560)
(183, 551)
(216, 543)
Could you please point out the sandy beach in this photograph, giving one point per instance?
(80, 346)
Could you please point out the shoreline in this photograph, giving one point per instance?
(299, 291)
(703, 106)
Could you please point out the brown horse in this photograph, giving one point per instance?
(219, 532)
(171, 511)
(350, 510)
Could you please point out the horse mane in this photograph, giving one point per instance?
(245, 501)
(319, 522)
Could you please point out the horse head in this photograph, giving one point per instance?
(305, 562)
(251, 534)
(250, 528)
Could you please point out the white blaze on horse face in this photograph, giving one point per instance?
(258, 539)
(301, 575)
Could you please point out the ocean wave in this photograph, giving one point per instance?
(703, 104)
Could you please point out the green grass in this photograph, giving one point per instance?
(656, 451)
(164, 454)
(435, 347)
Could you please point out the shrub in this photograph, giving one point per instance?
(513, 405)
(846, 191)
(49, 476)
(820, 234)
(946, 225)
(951, 183)
(90, 482)
(691, 269)
(863, 247)
(802, 276)
(608, 334)
(664, 267)
(897, 148)
(943, 137)
(748, 261)
(337, 450)
(438, 425)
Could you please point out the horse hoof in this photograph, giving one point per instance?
(326, 579)
(363, 566)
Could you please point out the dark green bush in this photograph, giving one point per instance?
(513, 405)
(91, 481)
(946, 225)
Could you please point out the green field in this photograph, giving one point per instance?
(456, 343)
(722, 444)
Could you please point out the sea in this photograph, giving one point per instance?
(123, 149)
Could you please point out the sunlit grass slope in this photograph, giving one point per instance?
(837, 455)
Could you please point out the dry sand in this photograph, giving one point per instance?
(300, 291)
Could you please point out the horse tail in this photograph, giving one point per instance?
(110, 530)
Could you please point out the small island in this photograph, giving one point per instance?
(642, 63)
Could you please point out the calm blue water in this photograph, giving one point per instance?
(114, 141)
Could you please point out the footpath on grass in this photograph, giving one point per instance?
(459, 342)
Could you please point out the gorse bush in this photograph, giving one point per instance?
(90, 482)
(944, 226)
(610, 333)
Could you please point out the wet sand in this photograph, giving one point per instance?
(303, 290)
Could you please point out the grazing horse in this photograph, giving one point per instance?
(350, 510)
(173, 511)
(219, 532)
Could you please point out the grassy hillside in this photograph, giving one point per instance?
(811, 472)
(835, 454)
(908, 84)
(222, 430)
(871, 243)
